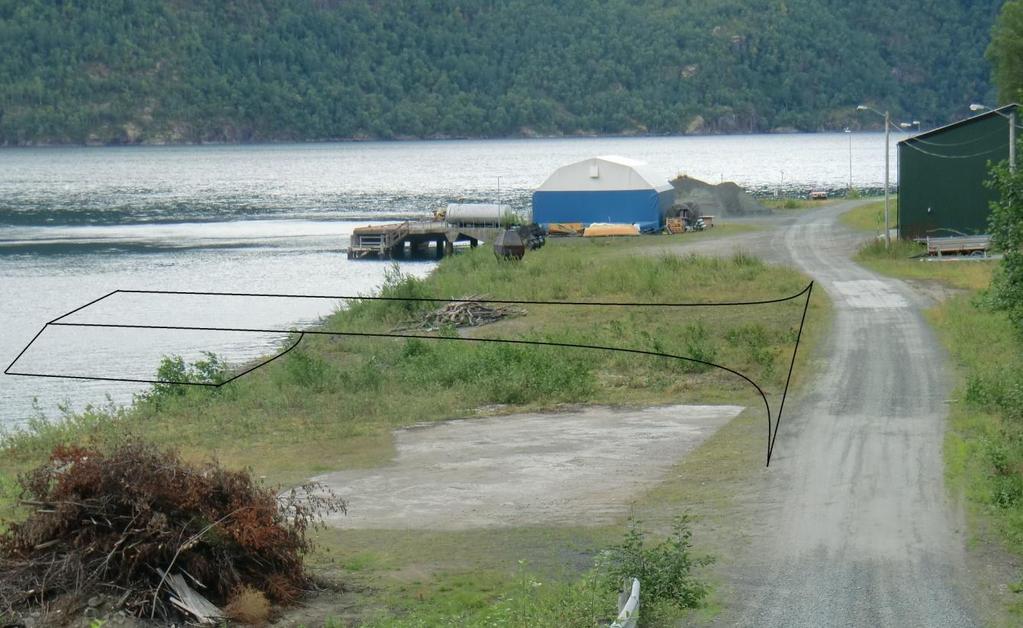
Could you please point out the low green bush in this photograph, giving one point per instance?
(665, 570)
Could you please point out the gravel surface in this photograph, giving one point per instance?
(569, 468)
(855, 527)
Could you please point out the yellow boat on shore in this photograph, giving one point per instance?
(602, 229)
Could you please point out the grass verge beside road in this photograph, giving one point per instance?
(870, 217)
(904, 260)
(333, 402)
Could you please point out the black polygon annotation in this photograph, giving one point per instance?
(773, 421)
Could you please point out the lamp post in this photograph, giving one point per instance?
(887, 135)
(1012, 131)
(848, 132)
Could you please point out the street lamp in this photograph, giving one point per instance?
(887, 134)
(848, 132)
(1012, 130)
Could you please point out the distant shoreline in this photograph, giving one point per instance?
(411, 139)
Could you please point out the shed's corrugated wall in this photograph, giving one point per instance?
(942, 176)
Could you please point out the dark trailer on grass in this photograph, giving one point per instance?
(609, 189)
(942, 175)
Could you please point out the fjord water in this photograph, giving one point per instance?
(78, 223)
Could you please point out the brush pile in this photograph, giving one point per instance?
(472, 311)
(154, 535)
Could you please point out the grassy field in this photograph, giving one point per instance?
(870, 217)
(984, 442)
(332, 404)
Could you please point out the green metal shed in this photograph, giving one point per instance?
(942, 174)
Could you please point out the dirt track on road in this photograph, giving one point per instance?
(853, 524)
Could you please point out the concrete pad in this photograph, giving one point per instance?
(572, 468)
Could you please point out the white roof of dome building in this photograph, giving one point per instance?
(604, 174)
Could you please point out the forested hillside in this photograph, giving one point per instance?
(127, 71)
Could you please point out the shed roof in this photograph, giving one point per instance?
(941, 129)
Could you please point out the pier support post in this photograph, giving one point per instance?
(440, 247)
(473, 243)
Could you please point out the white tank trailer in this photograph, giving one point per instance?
(480, 215)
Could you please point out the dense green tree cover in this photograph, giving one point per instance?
(1006, 220)
(1006, 51)
(1006, 226)
(240, 70)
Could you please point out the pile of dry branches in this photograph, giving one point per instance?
(472, 311)
(155, 535)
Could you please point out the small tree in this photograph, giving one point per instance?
(1006, 227)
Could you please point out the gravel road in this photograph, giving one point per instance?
(854, 527)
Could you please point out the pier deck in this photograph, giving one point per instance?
(391, 240)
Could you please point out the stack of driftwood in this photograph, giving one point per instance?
(472, 311)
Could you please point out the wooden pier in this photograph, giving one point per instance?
(392, 240)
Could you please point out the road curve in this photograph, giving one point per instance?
(855, 527)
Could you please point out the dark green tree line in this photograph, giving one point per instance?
(246, 70)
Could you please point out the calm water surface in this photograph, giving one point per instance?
(77, 223)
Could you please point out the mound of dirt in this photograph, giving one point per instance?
(724, 199)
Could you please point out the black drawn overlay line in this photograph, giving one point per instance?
(335, 297)
(773, 422)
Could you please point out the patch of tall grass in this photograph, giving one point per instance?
(870, 216)
(985, 443)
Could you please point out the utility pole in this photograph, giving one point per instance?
(848, 132)
(887, 133)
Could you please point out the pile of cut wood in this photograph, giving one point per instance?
(472, 311)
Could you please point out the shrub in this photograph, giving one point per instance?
(700, 346)
(665, 570)
(211, 370)
(308, 371)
